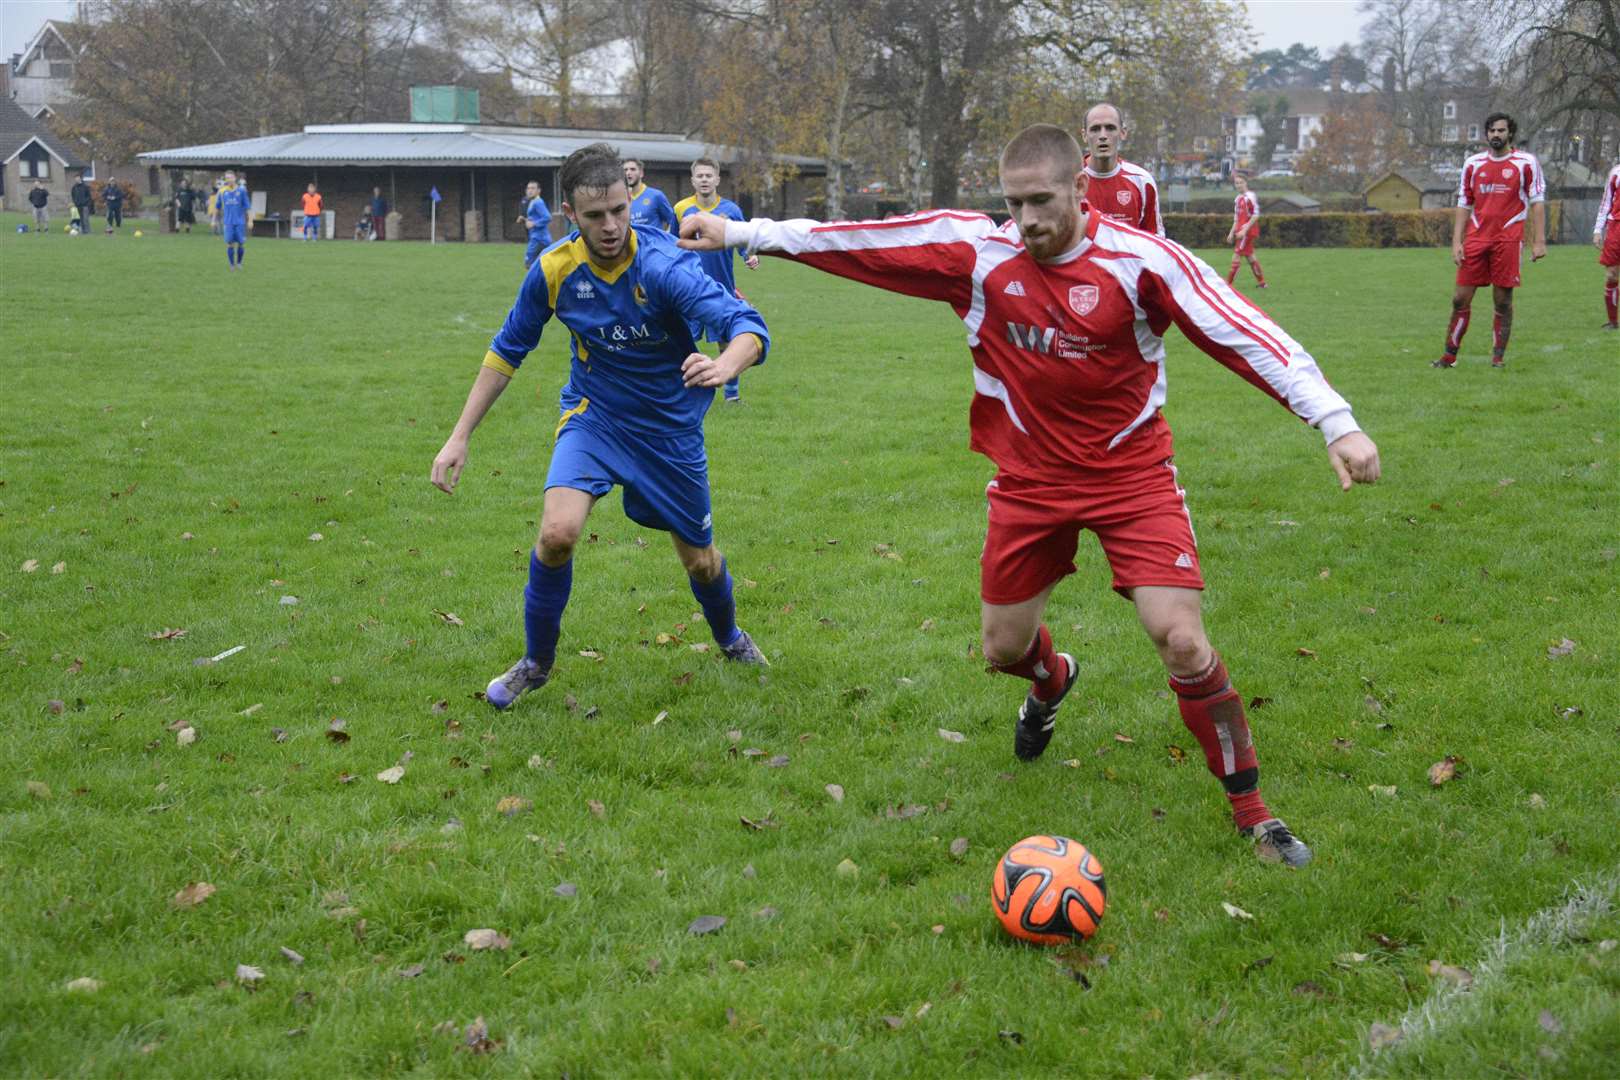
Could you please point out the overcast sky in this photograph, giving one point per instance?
(1278, 23)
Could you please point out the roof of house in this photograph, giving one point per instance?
(461, 145)
(18, 129)
(1290, 199)
(1427, 183)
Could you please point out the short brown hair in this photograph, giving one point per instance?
(709, 161)
(595, 167)
(1042, 144)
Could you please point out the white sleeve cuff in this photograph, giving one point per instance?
(1336, 425)
(740, 234)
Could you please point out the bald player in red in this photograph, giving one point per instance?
(1119, 190)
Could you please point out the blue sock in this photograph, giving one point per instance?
(241, 253)
(543, 601)
(718, 606)
(230, 255)
(734, 387)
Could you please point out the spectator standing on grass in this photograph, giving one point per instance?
(720, 265)
(84, 201)
(379, 215)
(633, 407)
(1497, 191)
(1606, 235)
(1117, 188)
(312, 212)
(1064, 312)
(536, 217)
(185, 202)
(113, 196)
(1244, 231)
(38, 198)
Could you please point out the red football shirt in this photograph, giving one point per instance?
(1245, 208)
(1500, 192)
(1126, 194)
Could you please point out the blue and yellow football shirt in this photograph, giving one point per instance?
(631, 329)
(720, 265)
(649, 206)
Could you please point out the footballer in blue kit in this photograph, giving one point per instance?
(633, 407)
(717, 264)
(234, 204)
(648, 205)
(536, 217)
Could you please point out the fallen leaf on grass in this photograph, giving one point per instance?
(663, 714)
(959, 847)
(39, 789)
(392, 775)
(440, 706)
(477, 1040)
(1461, 977)
(847, 869)
(1308, 989)
(251, 709)
(1236, 912)
(1121, 737)
(316, 537)
(1563, 648)
(1537, 802)
(167, 634)
(1177, 754)
(83, 986)
(904, 811)
(778, 761)
(705, 924)
(247, 975)
(895, 1023)
(56, 706)
(596, 808)
(513, 805)
(835, 792)
(1309, 654)
(1014, 1037)
(186, 735)
(410, 972)
(566, 889)
(292, 956)
(478, 940)
(1382, 1035)
(1442, 770)
(450, 617)
(30, 565)
(337, 730)
(952, 736)
(278, 734)
(1348, 959)
(1383, 791)
(1549, 1023)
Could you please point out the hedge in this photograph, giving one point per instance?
(1415, 228)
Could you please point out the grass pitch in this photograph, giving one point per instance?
(175, 439)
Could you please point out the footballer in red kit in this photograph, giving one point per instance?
(1116, 188)
(1245, 228)
(1065, 312)
(1606, 236)
(1497, 192)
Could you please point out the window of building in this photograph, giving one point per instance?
(1473, 132)
(34, 162)
(154, 182)
(1243, 142)
(1449, 133)
(1451, 110)
(61, 71)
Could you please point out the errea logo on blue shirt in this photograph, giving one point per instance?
(583, 289)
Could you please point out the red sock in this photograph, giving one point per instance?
(1213, 712)
(1455, 332)
(1259, 276)
(1231, 275)
(1611, 302)
(1041, 665)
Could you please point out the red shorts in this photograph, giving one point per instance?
(1245, 246)
(1490, 262)
(1140, 518)
(1610, 255)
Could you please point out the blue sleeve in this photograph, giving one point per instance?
(698, 298)
(666, 214)
(539, 214)
(521, 332)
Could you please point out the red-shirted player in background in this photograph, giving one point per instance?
(1606, 235)
(1497, 191)
(1064, 311)
(1118, 189)
(1245, 228)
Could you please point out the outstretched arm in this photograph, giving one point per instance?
(929, 255)
(453, 456)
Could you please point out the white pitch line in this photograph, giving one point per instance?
(1450, 1004)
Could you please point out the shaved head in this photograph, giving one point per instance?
(1042, 145)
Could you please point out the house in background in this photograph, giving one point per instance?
(29, 152)
(1307, 107)
(1410, 189)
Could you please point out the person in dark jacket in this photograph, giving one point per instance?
(185, 203)
(84, 201)
(37, 198)
(113, 196)
(379, 214)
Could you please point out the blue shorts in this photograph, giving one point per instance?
(537, 243)
(665, 477)
(312, 226)
(236, 234)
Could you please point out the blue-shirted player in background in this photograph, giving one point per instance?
(234, 205)
(648, 205)
(633, 406)
(717, 264)
(537, 217)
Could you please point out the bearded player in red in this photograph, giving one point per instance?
(1606, 235)
(1064, 312)
(1496, 192)
(1245, 228)
(1117, 188)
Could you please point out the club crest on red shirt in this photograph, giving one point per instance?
(1082, 298)
(1123, 196)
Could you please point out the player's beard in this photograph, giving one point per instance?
(1497, 145)
(1053, 240)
